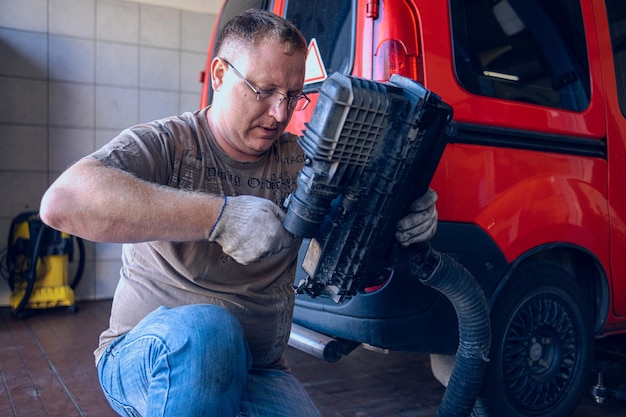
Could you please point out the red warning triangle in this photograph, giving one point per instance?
(315, 69)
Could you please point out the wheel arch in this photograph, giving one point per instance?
(581, 264)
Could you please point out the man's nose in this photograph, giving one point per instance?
(279, 110)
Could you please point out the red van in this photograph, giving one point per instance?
(530, 200)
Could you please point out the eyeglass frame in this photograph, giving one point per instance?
(259, 91)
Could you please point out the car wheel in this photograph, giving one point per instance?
(542, 344)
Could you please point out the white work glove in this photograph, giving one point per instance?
(250, 228)
(421, 223)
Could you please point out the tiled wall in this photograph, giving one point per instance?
(73, 73)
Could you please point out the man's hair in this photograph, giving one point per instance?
(254, 26)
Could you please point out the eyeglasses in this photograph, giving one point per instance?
(294, 103)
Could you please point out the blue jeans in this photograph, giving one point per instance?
(194, 361)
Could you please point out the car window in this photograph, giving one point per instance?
(531, 51)
(332, 24)
(616, 12)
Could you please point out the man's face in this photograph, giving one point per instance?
(244, 127)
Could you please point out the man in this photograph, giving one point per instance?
(202, 312)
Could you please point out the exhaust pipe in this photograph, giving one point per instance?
(315, 344)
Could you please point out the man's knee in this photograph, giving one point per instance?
(199, 329)
(172, 349)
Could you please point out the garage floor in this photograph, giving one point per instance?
(46, 369)
(371, 384)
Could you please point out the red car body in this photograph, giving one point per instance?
(524, 183)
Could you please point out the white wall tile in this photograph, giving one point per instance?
(196, 32)
(73, 74)
(192, 63)
(68, 146)
(90, 250)
(117, 64)
(24, 14)
(22, 191)
(23, 148)
(159, 69)
(117, 21)
(159, 26)
(108, 251)
(104, 136)
(24, 54)
(189, 102)
(52, 176)
(72, 59)
(72, 17)
(23, 101)
(71, 105)
(107, 276)
(86, 287)
(116, 107)
(157, 105)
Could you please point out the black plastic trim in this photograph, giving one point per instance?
(404, 314)
(528, 140)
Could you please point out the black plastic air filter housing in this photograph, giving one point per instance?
(372, 148)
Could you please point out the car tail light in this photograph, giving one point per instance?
(396, 39)
(392, 58)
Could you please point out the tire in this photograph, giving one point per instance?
(542, 344)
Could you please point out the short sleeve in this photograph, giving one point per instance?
(145, 151)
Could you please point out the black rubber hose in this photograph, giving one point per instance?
(447, 276)
(81, 262)
(31, 276)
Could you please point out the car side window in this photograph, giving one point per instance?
(332, 24)
(616, 12)
(532, 51)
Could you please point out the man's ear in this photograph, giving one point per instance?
(218, 69)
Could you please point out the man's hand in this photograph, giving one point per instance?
(421, 223)
(250, 228)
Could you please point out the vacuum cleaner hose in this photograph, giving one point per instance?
(450, 278)
(31, 275)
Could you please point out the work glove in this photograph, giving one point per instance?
(421, 223)
(250, 228)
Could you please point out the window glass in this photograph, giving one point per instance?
(531, 51)
(616, 12)
(332, 24)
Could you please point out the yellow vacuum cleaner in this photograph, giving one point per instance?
(36, 265)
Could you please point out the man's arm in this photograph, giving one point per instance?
(104, 204)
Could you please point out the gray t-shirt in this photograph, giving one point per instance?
(181, 152)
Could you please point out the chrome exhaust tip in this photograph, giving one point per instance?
(316, 344)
